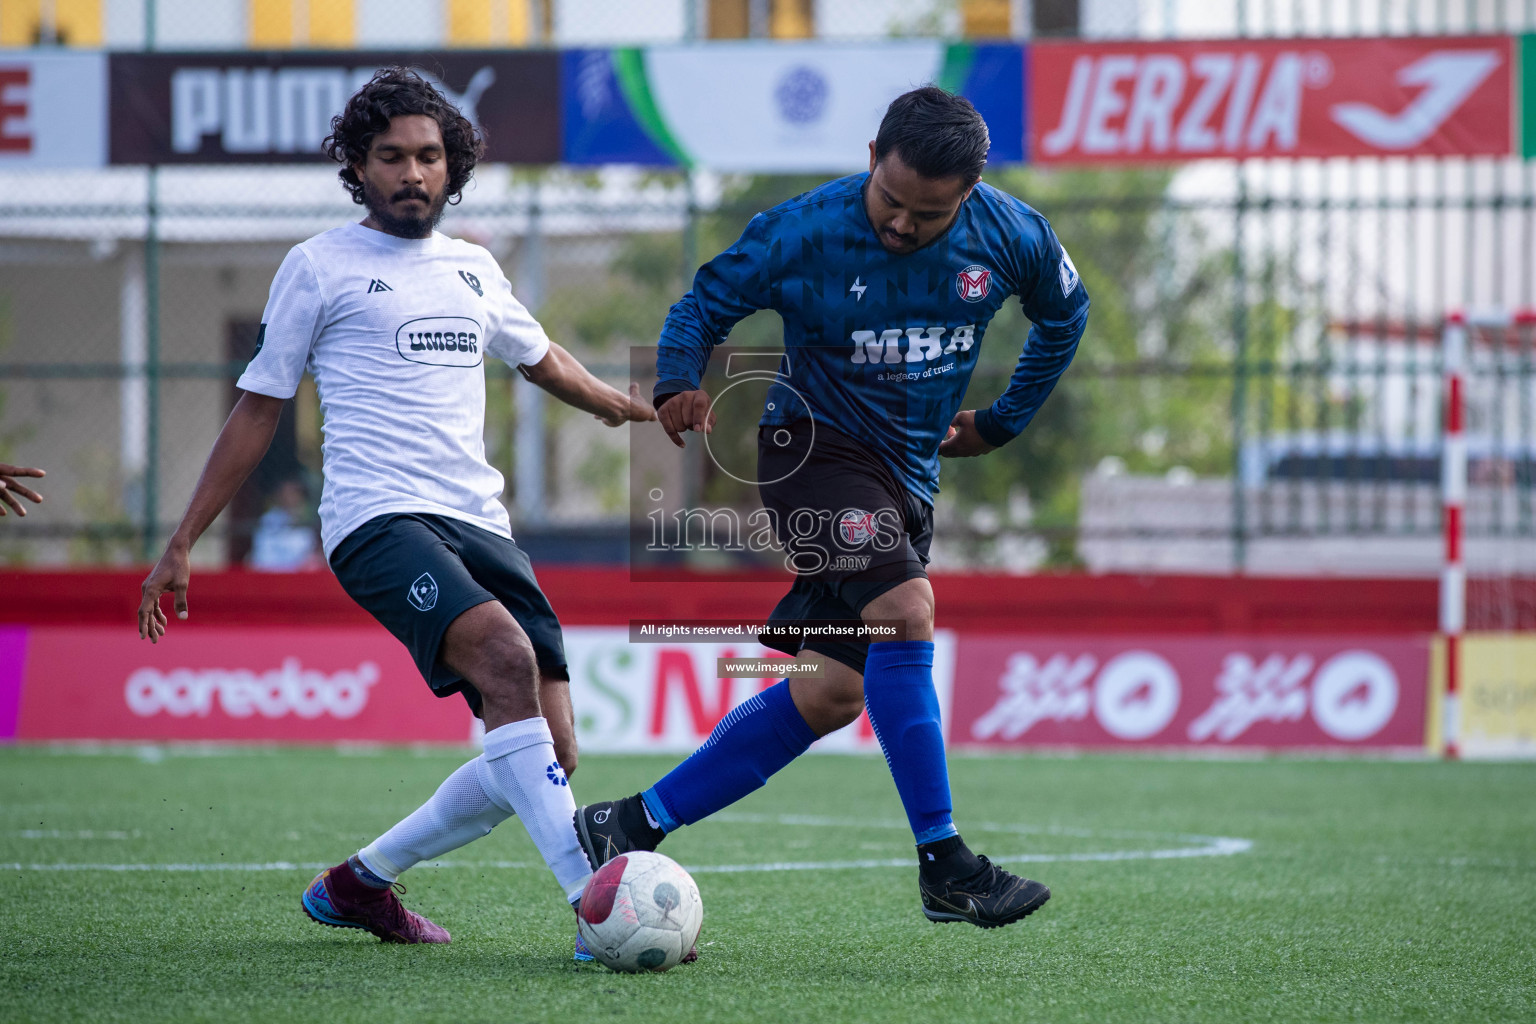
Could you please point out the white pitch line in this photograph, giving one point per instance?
(1192, 846)
(277, 865)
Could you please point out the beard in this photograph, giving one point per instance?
(409, 226)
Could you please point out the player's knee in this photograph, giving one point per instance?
(915, 610)
(842, 710)
(508, 669)
(910, 603)
(832, 707)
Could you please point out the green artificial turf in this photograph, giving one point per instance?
(1372, 891)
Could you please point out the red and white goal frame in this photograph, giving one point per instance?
(1505, 578)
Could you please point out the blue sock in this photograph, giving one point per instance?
(904, 710)
(761, 735)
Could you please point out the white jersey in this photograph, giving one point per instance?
(395, 331)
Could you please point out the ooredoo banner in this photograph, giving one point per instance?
(1173, 101)
(276, 107)
(1209, 692)
(292, 685)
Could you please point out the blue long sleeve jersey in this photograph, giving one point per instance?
(880, 346)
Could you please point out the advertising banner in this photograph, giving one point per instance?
(357, 684)
(276, 107)
(1212, 692)
(651, 697)
(1497, 695)
(337, 684)
(1498, 701)
(772, 107)
(290, 685)
(53, 109)
(1173, 101)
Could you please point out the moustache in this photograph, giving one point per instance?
(410, 193)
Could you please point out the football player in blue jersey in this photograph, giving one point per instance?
(886, 283)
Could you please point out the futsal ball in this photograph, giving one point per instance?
(640, 912)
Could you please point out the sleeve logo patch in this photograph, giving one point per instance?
(441, 341)
(1068, 272)
(473, 282)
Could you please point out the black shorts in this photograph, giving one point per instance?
(850, 529)
(416, 573)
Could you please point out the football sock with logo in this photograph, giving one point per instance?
(520, 773)
(458, 813)
(367, 877)
(638, 823)
(904, 710)
(947, 858)
(761, 735)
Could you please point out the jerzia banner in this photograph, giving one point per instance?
(1162, 102)
(218, 108)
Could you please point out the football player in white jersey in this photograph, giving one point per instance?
(395, 321)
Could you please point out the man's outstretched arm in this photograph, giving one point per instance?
(244, 440)
(8, 475)
(563, 376)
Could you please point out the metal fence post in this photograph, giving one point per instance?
(152, 364)
(133, 321)
(151, 510)
(527, 398)
(1239, 376)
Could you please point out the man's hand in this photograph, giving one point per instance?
(173, 572)
(634, 410)
(962, 441)
(8, 485)
(686, 410)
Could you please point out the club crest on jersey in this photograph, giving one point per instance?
(473, 282)
(973, 283)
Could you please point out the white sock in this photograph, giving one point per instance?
(458, 813)
(519, 770)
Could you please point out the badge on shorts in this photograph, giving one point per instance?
(855, 527)
(424, 592)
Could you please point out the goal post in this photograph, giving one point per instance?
(1487, 647)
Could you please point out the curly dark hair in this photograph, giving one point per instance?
(391, 93)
